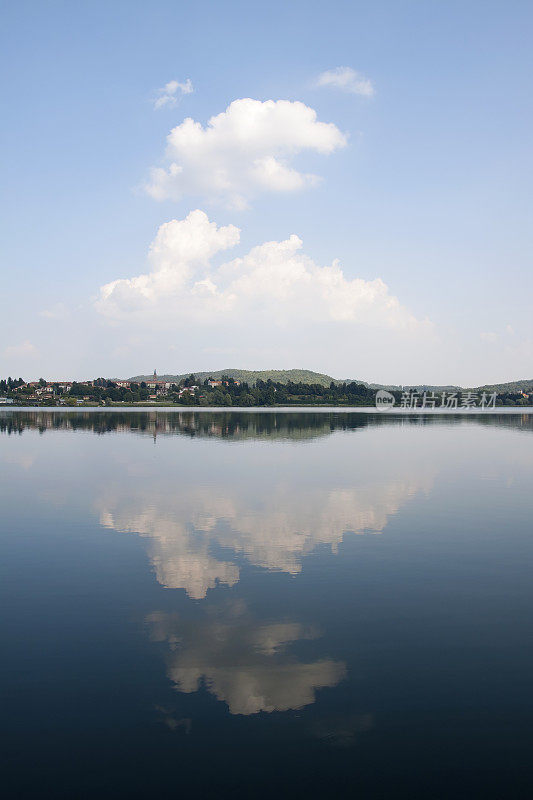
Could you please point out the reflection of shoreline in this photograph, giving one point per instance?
(275, 532)
(246, 664)
(225, 424)
(238, 424)
(309, 408)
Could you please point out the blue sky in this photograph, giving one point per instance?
(425, 202)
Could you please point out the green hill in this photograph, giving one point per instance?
(308, 376)
(512, 386)
(251, 376)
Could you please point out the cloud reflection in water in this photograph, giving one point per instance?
(242, 662)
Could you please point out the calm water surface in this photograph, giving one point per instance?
(285, 604)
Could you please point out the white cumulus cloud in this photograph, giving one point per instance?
(274, 284)
(347, 80)
(246, 149)
(169, 93)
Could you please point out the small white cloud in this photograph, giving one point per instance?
(347, 80)
(489, 336)
(274, 285)
(242, 151)
(492, 336)
(57, 312)
(24, 350)
(168, 95)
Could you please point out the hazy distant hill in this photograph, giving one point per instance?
(512, 386)
(500, 388)
(308, 376)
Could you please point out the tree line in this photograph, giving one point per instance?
(225, 393)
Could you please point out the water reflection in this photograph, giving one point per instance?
(327, 593)
(179, 555)
(275, 531)
(301, 425)
(244, 663)
(227, 425)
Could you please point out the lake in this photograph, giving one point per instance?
(261, 604)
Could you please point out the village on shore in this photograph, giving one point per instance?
(63, 392)
(225, 390)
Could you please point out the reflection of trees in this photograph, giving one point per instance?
(227, 425)
(237, 425)
(275, 530)
(246, 664)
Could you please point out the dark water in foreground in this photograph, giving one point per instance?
(277, 605)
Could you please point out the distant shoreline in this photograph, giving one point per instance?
(393, 412)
